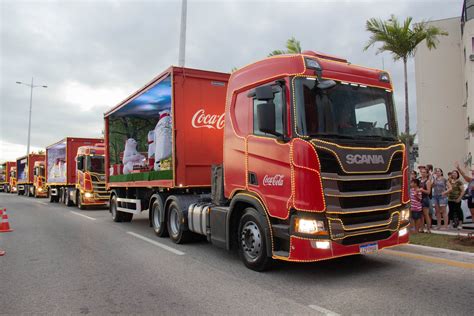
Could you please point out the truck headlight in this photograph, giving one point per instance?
(405, 215)
(310, 226)
(40, 190)
(403, 232)
(88, 195)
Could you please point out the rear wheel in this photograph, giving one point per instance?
(159, 225)
(176, 228)
(117, 215)
(252, 241)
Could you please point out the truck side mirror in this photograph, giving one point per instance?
(266, 118)
(264, 93)
(35, 172)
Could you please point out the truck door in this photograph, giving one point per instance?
(268, 159)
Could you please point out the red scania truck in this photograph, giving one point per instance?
(307, 166)
(39, 189)
(25, 173)
(75, 172)
(7, 167)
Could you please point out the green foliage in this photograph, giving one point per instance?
(407, 139)
(401, 38)
(293, 46)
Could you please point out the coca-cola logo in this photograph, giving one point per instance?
(273, 181)
(203, 120)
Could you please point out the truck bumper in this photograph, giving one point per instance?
(310, 250)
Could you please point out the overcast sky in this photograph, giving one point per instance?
(92, 54)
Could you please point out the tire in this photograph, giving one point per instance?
(32, 191)
(176, 229)
(160, 228)
(118, 216)
(79, 202)
(252, 241)
(51, 197)
(68, 198)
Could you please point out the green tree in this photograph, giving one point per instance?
(293, 46)
(401, 40)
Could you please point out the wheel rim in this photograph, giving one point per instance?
(174, 222)
(251, 240)
(156, 217)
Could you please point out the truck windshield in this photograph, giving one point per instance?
(95, 164)
(345, 111)
(40, 171)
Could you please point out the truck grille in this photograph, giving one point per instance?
(100, 191)
(361, 207)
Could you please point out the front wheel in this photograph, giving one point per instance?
(79, 202)
(252, 241)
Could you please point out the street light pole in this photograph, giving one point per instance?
(31, 107)
(182, 35)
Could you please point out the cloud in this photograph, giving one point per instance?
(92, 54)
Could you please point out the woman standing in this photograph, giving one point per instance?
(454, 199)
(441, 189)
(425, 188)
(470, 188)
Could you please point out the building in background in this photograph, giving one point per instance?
(445, 93)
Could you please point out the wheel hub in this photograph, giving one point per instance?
(251, 240)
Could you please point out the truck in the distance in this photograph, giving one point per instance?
(3, 177)
(25, 173)
(8, 169)
(307, 166)
(76, 182)
(39, 188)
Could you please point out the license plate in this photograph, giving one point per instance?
(369, 248)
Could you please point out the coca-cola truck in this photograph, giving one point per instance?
(25, 173)
(3, 176)
(307, 166)
(62, 180)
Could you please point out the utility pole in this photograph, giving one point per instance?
(31, 107)
(182, 36)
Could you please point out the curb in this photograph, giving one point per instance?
(457, 252)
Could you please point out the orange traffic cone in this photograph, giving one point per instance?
(2, 252)
(4, 225)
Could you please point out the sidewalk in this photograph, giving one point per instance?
(464, 231)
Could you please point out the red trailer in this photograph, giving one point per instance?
(25, 172)
(60, 170)
(307, 166)
(8, 166)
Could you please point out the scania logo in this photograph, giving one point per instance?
(201, 119)
(364, 159)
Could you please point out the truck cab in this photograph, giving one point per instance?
(39, 188)
(12, 183)
(90, 180)
(313, 140)
(3, 177)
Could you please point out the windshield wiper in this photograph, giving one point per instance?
(388, 138)
(332, 135)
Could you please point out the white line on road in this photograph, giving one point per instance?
(88, 217)
(323, 310)
(151, 241)
(44, 203)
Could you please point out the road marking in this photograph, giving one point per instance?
(44, 203)
(88, 217)
(457, 252)
(323, 310)
(457, 264)
(151, 241)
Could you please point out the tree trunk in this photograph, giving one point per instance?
(407, 112)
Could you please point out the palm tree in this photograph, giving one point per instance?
(401, 40)
(293, 46)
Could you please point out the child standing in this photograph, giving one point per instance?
(416, 207)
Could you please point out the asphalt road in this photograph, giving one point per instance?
(62, 260)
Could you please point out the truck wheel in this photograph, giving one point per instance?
(51, 197)
(68, 198)
(175, 225)
(251, 240)
(32, 191)
(118, 216)
(156, 216)
(79, 202)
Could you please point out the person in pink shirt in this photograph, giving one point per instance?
(416, 207)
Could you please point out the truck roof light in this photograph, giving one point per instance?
(312, 64)
(384, 77)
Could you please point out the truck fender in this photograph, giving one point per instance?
(183, 202)
(238, 203)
